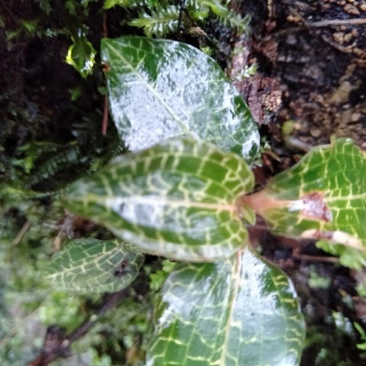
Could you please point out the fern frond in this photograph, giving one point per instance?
(236, 21)
(45, 6)
(31, 152)
(61, 161)
(108, 4)
(215, 6)
(160, 22)
(149, 4)
(199, 9)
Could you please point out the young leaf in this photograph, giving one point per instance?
(321, 197)
(242, 311)
(176, 199)
(81, 54)
(91, 265)
(161, 88)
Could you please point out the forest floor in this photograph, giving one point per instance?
(311, 58)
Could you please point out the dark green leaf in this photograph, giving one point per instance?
(91, 265)
(160, 89)
(81, 54)
(321, 197)
(176, 199)
(241, 311)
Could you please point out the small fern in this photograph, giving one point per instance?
(236, 21)
(215, 6)
(45, 6)
(159, 22)
(160, 18)
(60, 161)
(226, 16)
(151, 4)
(39, 169)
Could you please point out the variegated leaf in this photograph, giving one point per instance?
(160, 89)
(91, 265)
(321, 197)
(176, 199)
(241, 311)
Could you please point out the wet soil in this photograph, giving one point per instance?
(312, 67)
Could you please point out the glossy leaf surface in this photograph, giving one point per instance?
(241, 311)
(81, 54)
(91, 265)
(176, 199)
(321, 197)
(160, 89)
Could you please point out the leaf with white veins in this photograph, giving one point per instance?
(160, 89)
(241, 311)
(176, 199)
(93, 266)
(322, 197)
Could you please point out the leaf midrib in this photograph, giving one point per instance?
(152, 90)
(153, 201)
(231, 303)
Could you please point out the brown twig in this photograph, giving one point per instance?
(105, 29)
(319, 24)
(105, 116)
(21, 233)
(105, 112)
(56, 345)
(313, 258)
(336, 22)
